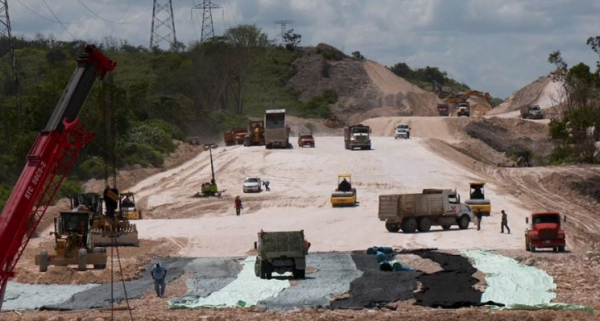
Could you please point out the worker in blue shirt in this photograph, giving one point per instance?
(159, 274)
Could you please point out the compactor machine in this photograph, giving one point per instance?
(129, 209)
(477, 201)
(344, 194)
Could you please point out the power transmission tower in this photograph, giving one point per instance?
(284, 28)
(163, 23)
(208, 29)
(8, 66)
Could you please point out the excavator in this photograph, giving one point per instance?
(49, 161)
(334, 122)
(471, 93)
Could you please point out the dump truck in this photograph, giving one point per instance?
(532, 112)
(545, 231)
(464, 109)
(411, 212)
(402, 131)
(73, 244)
(357, 136)
(477, 200)
(344, 194)
(255, 134)
(235, 136)
(277, 133)
(443, 109)
(281, 252)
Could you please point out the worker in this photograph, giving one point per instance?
(479, 216)
(238, 205)
(504, 223)
(266, 183)
(159, 274)
(477, 194)
(127, 202)
(345, 186)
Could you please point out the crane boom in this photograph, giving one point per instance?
(48, 162)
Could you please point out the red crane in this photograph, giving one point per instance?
(48, 163)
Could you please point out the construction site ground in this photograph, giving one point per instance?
(439, 154)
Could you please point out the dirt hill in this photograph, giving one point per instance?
(543, 92)
(365, 89)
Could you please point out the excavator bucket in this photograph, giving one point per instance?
(129, 238)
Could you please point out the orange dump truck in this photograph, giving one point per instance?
(235, 136)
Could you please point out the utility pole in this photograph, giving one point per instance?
(163, 23)
(284, 28)
(9, 68)
(208, 29)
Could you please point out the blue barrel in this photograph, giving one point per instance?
(380, 256)
(386, 266)
(384, 249)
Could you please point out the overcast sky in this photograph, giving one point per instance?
(492, 45)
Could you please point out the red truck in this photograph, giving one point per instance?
(545, 231)
(443, 109)
(235, 136)
(306, 139)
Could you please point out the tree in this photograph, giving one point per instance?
(401, 69)
(291, 39)
(358, 56)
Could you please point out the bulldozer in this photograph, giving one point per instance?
(209, 189)
(477, 200)
(344, 194)
(256, 133)
(128, 207)
(112, 228)
(73, 243)
(333, 122)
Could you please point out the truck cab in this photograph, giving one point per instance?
(463, 109)
(357, 136)
(443, 109)
(532, 112)
(402, 131)
(545, 231)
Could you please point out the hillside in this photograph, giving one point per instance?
(543, 92)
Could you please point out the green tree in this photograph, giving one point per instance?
(358, 56)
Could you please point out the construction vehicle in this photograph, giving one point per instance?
(402, 131)
(545, 231)
(111, 227)
(532, 112)
(73, 244)
(194, 141)
(210, 189)
(477, 200)
(256, 133)
(442, 91)
(412, 212)
(357, 136)
(333, 122)
(235, 136)
(128, 207)
(443, 109)
(306, 139)
(472, 93)
(464, 109)
(277, 133)
(281, 252)
(91, 202)
(48, 163)
(344, 194)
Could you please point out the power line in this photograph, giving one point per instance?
(55, 17)
(162, 16)
(208, 28)
(48, 19)
(284, 28)
(110, 21)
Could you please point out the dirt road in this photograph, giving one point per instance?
(302, 181)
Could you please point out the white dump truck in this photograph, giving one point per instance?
(412, 212)
(277, 133)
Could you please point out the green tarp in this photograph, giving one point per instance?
(518, 286)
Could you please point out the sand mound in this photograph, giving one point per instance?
(543, 92)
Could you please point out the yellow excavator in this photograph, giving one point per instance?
(333, 122)
(471, 93)
(477, 200)
(344, 194)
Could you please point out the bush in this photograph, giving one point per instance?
(142, 154)
(70, 186)
(92, 168)
(152, 135)
(318, 107)
(4, 195)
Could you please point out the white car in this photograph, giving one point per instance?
(252, 184)
(402, 131)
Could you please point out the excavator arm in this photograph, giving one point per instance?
(48, 162)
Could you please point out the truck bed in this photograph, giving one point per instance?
(410, 205)
(276, 244)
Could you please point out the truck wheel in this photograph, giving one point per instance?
(409, 225)
(140, 215)
(257, 271)
(100, 250)
(527, 247)
(368, 147)
(561, 248)
(446, 227)
(531, 248)
(263, 269)
(463, 222)
(44, 260)
(424, 224)
(299, 273)
(392, 227)
(82, 260)
(268, 270)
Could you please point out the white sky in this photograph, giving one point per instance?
(492, 45)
